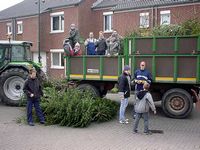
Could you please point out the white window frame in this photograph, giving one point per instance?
(60, 51)
(146, 17)
(19, 23)
(61, 23)
(166, 12)
(110, 22)
(9, 28)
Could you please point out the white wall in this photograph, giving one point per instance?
(43, 60)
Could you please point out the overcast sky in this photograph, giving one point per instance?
(7, 3)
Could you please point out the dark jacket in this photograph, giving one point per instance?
(32, 86)
(143, 75)
(101, 45)
(124, 85)
(73, 37)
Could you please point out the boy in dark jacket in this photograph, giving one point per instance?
(124, 93)
(143, 102)
(33, 91)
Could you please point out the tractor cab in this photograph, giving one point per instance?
(14, 51)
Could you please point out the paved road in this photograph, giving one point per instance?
(178, 134)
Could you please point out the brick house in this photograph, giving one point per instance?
(21, 21)
(129, 15)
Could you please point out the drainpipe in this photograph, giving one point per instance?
(152, 17)
(156, 17)
(14, 28)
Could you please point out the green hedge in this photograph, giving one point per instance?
(189, 27)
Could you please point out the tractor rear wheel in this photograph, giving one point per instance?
(11, 84)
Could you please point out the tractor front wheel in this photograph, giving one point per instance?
(11, 84)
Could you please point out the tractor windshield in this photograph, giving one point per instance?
(1, 53)
(21, 53)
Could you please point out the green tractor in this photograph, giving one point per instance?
(15, 61)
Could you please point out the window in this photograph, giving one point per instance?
(165, 17)
(18, 53)
(107, 21)
(9, 28)
(19, 27)
(57, 59)
(144, 20)
(57, 22)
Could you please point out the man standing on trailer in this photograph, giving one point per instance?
(73, 35)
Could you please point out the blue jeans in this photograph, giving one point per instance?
(123, 105)
(38, 110)
(146, 121)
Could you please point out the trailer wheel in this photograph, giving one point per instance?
(177, 103)
(11, 84)
(103, 93)
(89, 87)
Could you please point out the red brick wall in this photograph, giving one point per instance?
(86, 20)
(182, 13)
(55, 40)
(3, 29)
(126, 22)
(30, 31)
(98, 22)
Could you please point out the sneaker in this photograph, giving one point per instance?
(31, 124)
(42, 122)
(135, 131)
(122, 122)
(126, 121)
(148, 133)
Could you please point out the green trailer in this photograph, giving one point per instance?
(173, 61)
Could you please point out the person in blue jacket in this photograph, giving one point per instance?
(90, 44)
(141, 76)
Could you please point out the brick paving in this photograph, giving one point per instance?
(179, 134)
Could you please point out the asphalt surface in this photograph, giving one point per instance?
(179, 134)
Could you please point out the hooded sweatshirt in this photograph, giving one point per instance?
(143, 102)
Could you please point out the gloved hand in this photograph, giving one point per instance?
(121, 95)
(154, 112)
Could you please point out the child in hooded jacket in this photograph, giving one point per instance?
(144, 101)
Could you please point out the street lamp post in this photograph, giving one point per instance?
(39, 55)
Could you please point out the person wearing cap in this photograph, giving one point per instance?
(33, 91)
(67, 47)
(124, 93)
(141, 76)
